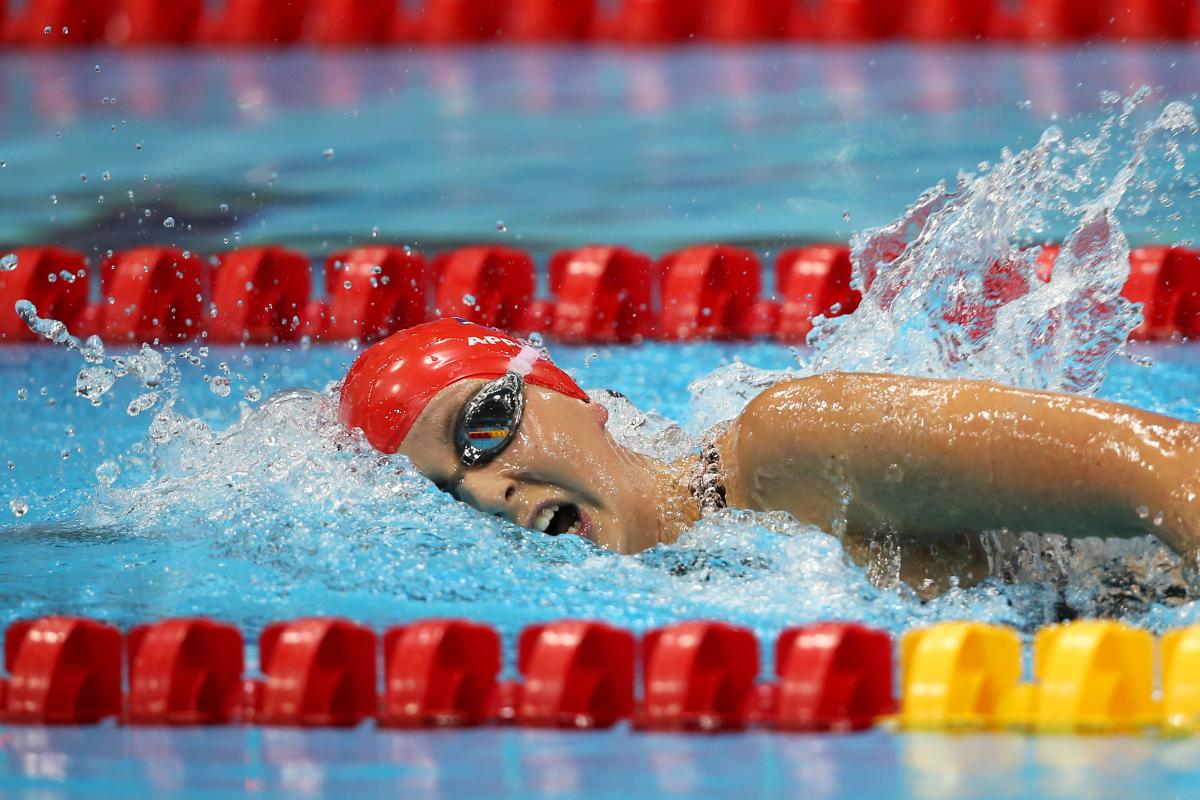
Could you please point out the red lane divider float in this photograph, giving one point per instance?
(489, 285)
(602, 294)
(151, 294)
(62, 670)
(577, 675)
(598, 293)
(696, 676)
(709, 292)
(349, 22)
(549, 20)
(55, 280)
(440, 673)
(812, 281)
(832, 676)
(59, 23)
(371, 292)
(318, 672)
(184, 672)
(259, 294)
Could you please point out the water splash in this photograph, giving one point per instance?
(952, 288)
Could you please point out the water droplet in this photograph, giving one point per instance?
(65, 30)
(846, 216)
(223, 207)
(219, 385)
(107, 473)
(328, 154)
(142, 402)
(97, 68)
(47, 30)
(54, 199)
(22, 393)
(345, 284)
(500, 226)
(138, 146)
(106, 176)
(169, 222)
(83, 177)
(8, 263)
(18, 507)
(468, 299)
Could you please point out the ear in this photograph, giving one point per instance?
(600, 413)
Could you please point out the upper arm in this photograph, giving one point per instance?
(788, 453)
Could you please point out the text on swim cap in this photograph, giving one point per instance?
(474, 340)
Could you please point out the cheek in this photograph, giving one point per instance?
(567, 458)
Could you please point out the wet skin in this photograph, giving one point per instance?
(918, 465)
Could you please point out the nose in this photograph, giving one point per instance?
(488, 490)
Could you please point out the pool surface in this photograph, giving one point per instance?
(211, 498)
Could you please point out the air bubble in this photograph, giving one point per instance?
(8, 263)
(328, 153)
(18, 507)
(500, 226)
(169, 222)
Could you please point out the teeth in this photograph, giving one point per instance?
(576, 527)
(542, 520)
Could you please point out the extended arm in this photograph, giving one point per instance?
(932, 458)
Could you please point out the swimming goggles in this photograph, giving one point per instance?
(489, 420)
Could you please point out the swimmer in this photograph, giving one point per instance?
(925, 465)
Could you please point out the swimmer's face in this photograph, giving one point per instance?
(562, 473)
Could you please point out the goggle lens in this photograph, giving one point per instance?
(489, 420)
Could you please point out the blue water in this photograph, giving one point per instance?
(651, 148)
(606, 764)
(243, 508)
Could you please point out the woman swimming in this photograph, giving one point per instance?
(925, 465)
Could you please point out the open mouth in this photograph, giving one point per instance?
(559, 519)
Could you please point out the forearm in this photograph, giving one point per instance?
(932, 458)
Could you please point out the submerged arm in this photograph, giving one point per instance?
(931, 458)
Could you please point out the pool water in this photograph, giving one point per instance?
(219, 497)
(606, 764)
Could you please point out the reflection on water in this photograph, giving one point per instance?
(125, 762)
(658, 148)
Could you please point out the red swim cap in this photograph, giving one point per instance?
(389, 385)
